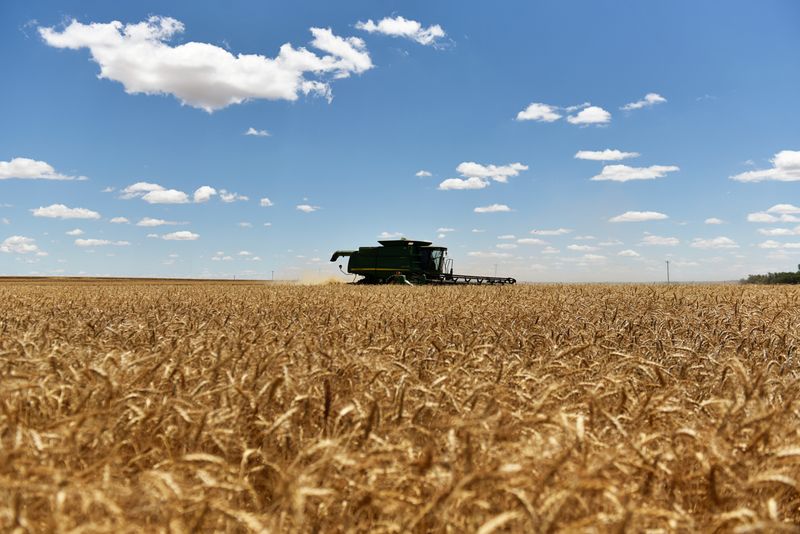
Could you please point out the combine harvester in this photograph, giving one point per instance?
(404, 261)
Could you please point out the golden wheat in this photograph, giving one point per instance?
(172, 407)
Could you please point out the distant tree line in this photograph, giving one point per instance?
(774, 278)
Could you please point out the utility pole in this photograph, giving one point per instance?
(273, 276)
(667, 271)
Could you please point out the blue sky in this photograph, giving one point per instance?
(493, 101)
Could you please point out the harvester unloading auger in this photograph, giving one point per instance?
(404, 260)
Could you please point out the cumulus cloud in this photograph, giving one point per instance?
(785, 168)
(713, 220)
(776, 232)
(659, 240)
(590, 115)
(139, 189)
(764, 217)
(245, 224)
(390, 235)
(203, 193)
(166, 196)
(229, 197)
(17, 244)
(581, 248)
(557, 231)
(716, 242)
(31, 169)
(784, 209)
(463, 183)
(507, 236)
(776, 245)
(183, 235)
(203, 75)
(498, 173)
(422, 174)
(100, 243)
(265, 202)
(445, 230)
(628, 253)
(149, 222)
(75, 232)
(605, 155)
(306, 208)
(402, 27)
(257, 133)
(539, 112)
(119, 220)
(624, 173)
(638, 216)
(650, 99)
(531, 241)
(492, 208)
(60, 211)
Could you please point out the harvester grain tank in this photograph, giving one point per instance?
(418, 262)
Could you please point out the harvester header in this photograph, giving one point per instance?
(406, 260)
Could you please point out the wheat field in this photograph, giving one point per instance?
(182, 407)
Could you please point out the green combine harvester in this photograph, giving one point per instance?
(403, 261)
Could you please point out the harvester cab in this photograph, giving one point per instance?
(418, 262)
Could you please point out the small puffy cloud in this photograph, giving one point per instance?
(203, 193)
(638, 216)
(659, 240)
(245, 253)
(777, 232)
(531, 241)
(445, 230)
(183, 235)
(610, 243)
(149, 222)
(402, 27)
(267, 224)
(75, 232)
(31, 169)
(477, 231)
(422, 174)
(119, 220)
(650, 99)
(584, 238)
(203, 75)
(590, 115)
(390, 235)
(771, 244)
(557, 231)
(108, 189)
(605, 155)
(265, 202)
(581, 248)
(257, 133)
(784, 209)
(306, 208)
(624, 173)
(628, 253)
(229, 197)
(166, 196)
(100, 243)
(498, 173)
(507, 236)
(5, 220)
(492, 208)
(493, 255)
(139, 189)
(713, 220)
(539, 112)
(459, 183)
(716, 242)
(245, 224)
(60, 211)
(785, 168)
(17, 244)
(761, 217)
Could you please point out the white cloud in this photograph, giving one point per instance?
(422, 174)
(605, 155)
(75, 232)
(166, 196)
(245, 253)
(139, 189)
(507, 236)
(229, 197)
(531, 241)
(776, 245)
(659, 240)
(203, 193)
(611, 243)
(245, 224)
(390, 235)
(628, 253)
(60, 211)
(5, 220)
(149, 222)
(785, 168)
(108, 189)
(506, 246)
(492, 208)
(402, 27)
(590, 115)
(481, 254)
(119, 220)
(31, 169)
(99, 243)
(584, 238)
(459, 183)
(445, 230)
(624, 173)
(775, 232)
(17, 244)
(557, 231)
(539, 112)
(203, 75)
(306, 208)
(716, 242)
(257, 133)
(265, 202)
(477, 231)
(153, 236)
(638, 216)
(498, 173)
(713, 220)
(581, 248)
(761, 217)
(268, 224)
(650, 99)
(183, 235)
(784, 209)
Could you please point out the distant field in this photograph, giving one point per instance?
(142, 406)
